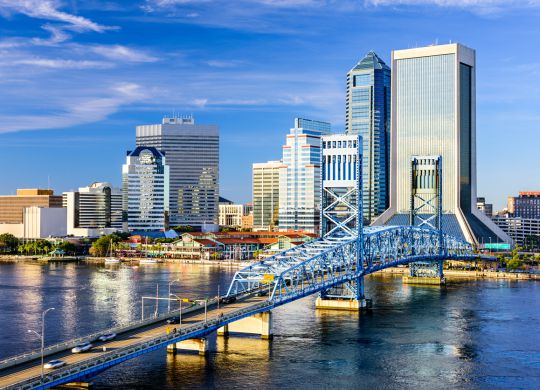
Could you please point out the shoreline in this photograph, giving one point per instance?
(448, 273)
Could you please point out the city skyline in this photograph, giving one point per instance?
(136, 80)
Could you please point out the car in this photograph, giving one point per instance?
(107, 337)
(262, 293)
(173, 320)
(229, 299)
(82, 348)
(54, 364)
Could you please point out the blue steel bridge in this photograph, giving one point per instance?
(333, 266)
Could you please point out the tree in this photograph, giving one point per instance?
(8, 242)
(100, 247)
(183, 229)
(68, 247)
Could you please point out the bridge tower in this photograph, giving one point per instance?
(342, 211)
(426, 212)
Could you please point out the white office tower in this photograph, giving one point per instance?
(266, 195)
(94, 210)
(192, 152)
(434, 114)
(300, 176)
(145, 188)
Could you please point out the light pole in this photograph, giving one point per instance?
(42, 337)
(179, 309)
(169, 305)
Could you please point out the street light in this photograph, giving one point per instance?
(179, 308)
(42, 337)
(169, 304)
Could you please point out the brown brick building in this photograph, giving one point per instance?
(12, 206)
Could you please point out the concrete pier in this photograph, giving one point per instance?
(426, 280)
(343, 304)
(260, 324)
(197, 345)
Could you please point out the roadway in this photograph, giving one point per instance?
(25, 371)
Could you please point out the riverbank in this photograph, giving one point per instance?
(461, 274)
(135, 260)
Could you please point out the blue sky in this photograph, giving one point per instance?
(76, 77)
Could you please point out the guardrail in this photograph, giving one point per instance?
(114, 357)
(65, 345)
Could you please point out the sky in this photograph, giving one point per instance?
(76, 77)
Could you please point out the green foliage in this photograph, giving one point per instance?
(100, 247)
(514, 264)
(37, 247)
(8, 242)
(69, 248)
(183, 229)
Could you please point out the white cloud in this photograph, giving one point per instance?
(486, 6)
(55, 63)
(77, 111)
(58, 35)
(122, 53)
(49, 10)
(223, 63)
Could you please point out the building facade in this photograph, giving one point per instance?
(145, 190)
(300, 176)
(192, 152)
(230, 215)
(368, 115)
(526, 205)
(521, 230)
(94, 210)
(44, 222)
(486, 208)
(434, 114)
(12, 206)
(265, 192)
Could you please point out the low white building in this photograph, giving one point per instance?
(230, 215)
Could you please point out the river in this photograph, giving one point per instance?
(470, 334)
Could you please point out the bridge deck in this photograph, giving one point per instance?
(26, 371)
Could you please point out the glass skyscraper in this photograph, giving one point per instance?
(145, 189)
(434, 114)
(299, 177)
(192, 152)
(368, 115)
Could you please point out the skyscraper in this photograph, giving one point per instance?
(299, 192)
(145, 190)
(266, 195)
(94, 210)
(434, 114)
(368, 115)
(192, 152)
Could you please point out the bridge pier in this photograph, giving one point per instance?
(260, 324)
(197, 345)
(425, 273)
(348, 296)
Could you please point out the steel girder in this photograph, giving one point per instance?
(330, 261)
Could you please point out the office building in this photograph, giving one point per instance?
(230, 215)
(93, 211)
(434, 114)
(44, 222)
(192, 152)
(526, 205)
(523, 231)
(12, 206)
(300, 181)
(266, 195)
(368, 115)
(486, 208)
(145, 190)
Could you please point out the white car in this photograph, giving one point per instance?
(54, 364)
(107, 337)
(82, 348)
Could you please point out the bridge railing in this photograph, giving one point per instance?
(116, 356)
(64, 345)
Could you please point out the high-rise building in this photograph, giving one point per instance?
(434, 114)
(145, 190)
(94, 210)
(12, 206)
(526, 205)
(300, 181)
(266, 195)
(368, 115)
(192, 152)
(486, 208)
